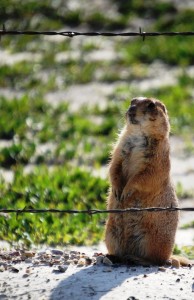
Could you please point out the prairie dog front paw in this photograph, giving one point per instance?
(126, 195)
(117, 194)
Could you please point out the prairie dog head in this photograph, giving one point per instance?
(148, 115)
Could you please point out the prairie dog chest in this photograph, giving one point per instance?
(134, 144)
(133, 152)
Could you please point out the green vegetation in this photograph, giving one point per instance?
(60, 188)
(187, 251)
(182, 193)
(55, 153)
(189, 225)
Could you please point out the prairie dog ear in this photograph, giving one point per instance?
(163, 107)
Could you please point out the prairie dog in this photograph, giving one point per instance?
(139, 172)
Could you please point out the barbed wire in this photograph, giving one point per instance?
(71, 34)
(96, 211)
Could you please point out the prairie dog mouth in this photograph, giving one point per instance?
(134, 121)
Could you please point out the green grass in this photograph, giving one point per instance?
(18, 153)
(186, 251)
(79, 141)
(61, 188)
(32, 122)
(172, 51)
(189, 225)
(182, 193)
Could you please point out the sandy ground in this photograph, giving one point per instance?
(98, 282)
(28, 281)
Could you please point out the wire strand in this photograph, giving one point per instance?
(71, 34)
(96, 211)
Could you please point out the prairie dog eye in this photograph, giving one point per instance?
(151, 105)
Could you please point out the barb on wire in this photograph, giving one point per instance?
(96, 211)
(3, 30)
(71, 34)
(142, 34)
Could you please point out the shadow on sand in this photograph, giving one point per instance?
(99, 282)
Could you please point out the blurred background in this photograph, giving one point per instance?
(62, 103)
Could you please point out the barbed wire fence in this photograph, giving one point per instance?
(97, 211)
(71, 34)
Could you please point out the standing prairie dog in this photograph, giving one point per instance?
(139, 173)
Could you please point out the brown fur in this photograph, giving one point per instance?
(140, 177)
